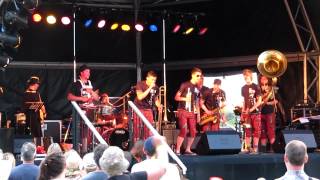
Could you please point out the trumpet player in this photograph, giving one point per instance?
(212, 101)
(187, 96)
(146, 97)
(250, 115)
(267, 113)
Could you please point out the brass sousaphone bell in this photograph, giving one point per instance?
(272, 63)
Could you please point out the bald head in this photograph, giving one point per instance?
(296, 152)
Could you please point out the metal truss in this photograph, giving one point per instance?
(307, 43)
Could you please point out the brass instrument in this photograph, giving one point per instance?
(272, 63)
(162, 115)
(205, 118)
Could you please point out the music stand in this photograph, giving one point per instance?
(33, 105)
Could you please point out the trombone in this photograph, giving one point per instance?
(162, 115)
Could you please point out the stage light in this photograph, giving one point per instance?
(5, 60)
(10, 40)
(36, 18)
(188, 31)
(125, 27)
(65, 20)
(139, 27)
(30, 4)
(87, 23)
(153, 28)
(101, 23)
(176, 28)
(14, 19)
(114, 26)
(51, 19)
(202, 31)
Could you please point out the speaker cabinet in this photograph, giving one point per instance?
(6, 135)
(52, 128)
(285, 136)
(19, 141)
(221, 142)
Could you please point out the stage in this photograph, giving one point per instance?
(243, 166)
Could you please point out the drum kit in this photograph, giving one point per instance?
(111, 125)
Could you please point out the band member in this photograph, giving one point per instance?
(251, 119)
(187, 96)
(83, 92)
(146, 97)
(212, 101)
(267, 113)
(34, 109)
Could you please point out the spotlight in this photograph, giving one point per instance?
(65, 20)
(87, 23)
(13, 18)
(139, 27)
(202, 31)
(36, 18)
(153, 28)
(5, 60)
(30, 4)
(125, 27)
(51, 19)
(101, 23)
(188, 31)
(176, 28)
(114, 26)
(10, 40)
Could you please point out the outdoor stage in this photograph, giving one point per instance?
(243, 167)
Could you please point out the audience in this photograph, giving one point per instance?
(295, 157)
(53, 167)
(156, 154)
(114, 163)
(136, 153)
(7, 162)
(73, 165)
(88, 163)
(54, 148)
(98, 174)
(26, 170)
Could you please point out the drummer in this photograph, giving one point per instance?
(105, 113)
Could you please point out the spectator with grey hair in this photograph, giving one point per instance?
(26, 170)
(295, 157)
(115, 164)
(98, 174)
(54, 148)
(156, 154)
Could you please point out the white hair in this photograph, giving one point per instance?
(113, 161)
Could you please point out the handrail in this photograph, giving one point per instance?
(88, 123)
(155, 133)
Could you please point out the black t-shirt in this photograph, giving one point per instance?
(75, 88)
(30, 96)
(267, 109)
(149, 100)
(250, 94)
(213, 100)
(132, 176)
(195, 94)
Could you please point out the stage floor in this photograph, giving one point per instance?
(243, 166)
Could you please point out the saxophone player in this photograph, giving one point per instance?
(267, 113)
(212, 102)
(251, 94)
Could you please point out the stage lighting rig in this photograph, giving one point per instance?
(4, 60)
(16, 20)
(9, 40)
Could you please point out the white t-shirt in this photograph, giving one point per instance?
(172, 172)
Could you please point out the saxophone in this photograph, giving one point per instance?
(205, 118)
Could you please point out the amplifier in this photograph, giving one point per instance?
(52, 128)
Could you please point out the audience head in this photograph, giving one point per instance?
(52, 166)
(54, 148)
(89, 164)
(28, 151)
(73, 163)
(149, 147)
(10, 157)
(296, 154)
(113, 161)
(97, 153)
(137, 149)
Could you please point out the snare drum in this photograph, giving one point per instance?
(117, 137)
